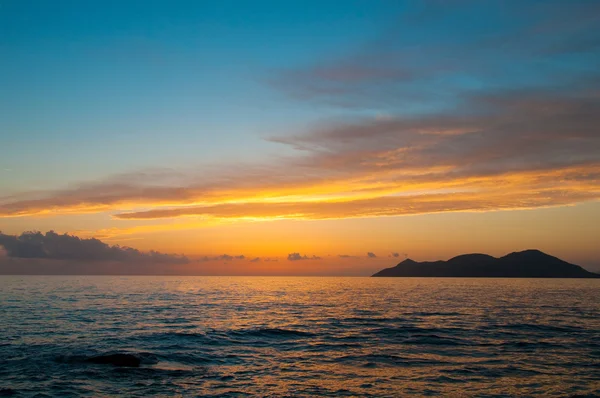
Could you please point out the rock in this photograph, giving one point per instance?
(127, 360)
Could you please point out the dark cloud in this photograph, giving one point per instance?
(395, 254)
(255, 260)
(53, 246)
(298, 257)
(346, 256)
(371, 255)
(223, 257)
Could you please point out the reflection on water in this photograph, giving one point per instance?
(300, 336)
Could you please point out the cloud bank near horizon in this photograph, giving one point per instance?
(299, 257)
(36, 253)
(53, 246)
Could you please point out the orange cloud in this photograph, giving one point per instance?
(505, 151)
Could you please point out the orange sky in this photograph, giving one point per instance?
(568, 232)
(412, 128)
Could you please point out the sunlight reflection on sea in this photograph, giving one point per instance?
(211, 336)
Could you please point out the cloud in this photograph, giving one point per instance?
(371, 255)
(53, 246)
(255, 260)
(394, 254)
(504, 150)
(298, 257)
(223, 257)
(346, 256)
(431, 53)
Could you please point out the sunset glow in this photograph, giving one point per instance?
(399, 118)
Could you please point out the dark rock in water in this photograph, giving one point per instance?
(525, 264)
(127, 360)
(7, 392)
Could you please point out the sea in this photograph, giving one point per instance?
(299, 337)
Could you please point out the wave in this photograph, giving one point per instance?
(540, 327)
(373, 360)
(270, 332)
(358, 320)
(533, 344)
(213, 337)
(434, 339)
(116, 358)
(415, 330)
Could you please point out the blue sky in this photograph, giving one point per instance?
(86, 83)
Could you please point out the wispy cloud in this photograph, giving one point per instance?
(437, 51)
(508, 150)
(223, 257)
(371, 255)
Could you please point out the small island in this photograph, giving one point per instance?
(525, 264)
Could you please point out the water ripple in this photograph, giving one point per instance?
(289, 337)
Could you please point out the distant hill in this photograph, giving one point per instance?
(525, 264)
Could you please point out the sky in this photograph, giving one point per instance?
(303, 137)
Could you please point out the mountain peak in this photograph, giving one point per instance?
(408, 261)
(530, 253)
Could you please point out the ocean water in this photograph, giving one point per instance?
(259, 336)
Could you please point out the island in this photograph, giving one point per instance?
(524, 264)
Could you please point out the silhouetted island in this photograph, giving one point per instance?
(525, 264)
